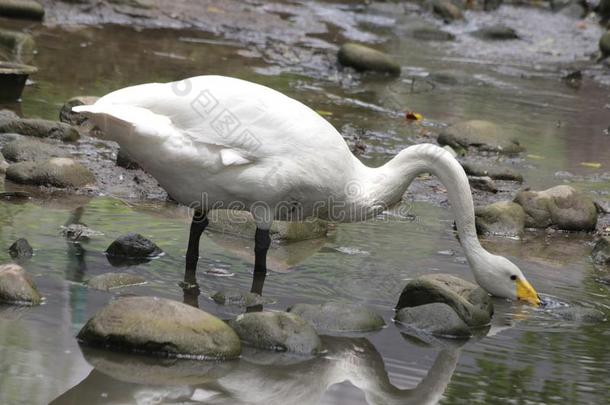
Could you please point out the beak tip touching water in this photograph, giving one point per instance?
(527, 293)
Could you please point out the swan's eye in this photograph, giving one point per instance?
(513, 277)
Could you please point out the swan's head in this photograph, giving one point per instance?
(502, 278)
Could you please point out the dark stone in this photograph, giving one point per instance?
(159, 326)
(73, 118)
(447, 10)
(20, 248)
(363, 58)
(277, 331)
(26, 9)
(496, 33)
(437, 318)
(109, 281)
(40, 128)
(124, 160)
(17, 287)
(132, 248)
(55, 172)
(496, 172)
(338, 317)
(425, 33)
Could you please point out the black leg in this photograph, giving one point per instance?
(262, 241)
(190, 287)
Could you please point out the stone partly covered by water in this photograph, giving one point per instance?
(109, 281)
(24, 148)
(78, 232)
(160, 326)
(495, 172)
(601, 251)
(39, 128)
(239, 298)
(561, 206)
(446, 10)
(133, 246)
(20, 249)
(73, 118)
(496, 32)
(482, 135)
(338, 317)
(17, 287)
(470, 302)
(28, 9)
(483, 183)
(278, 331)
(363, 58)
(504, 218)
(55, 172)
(437, 318)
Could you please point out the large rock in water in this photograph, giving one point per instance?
(40, 128)
(363, 58)
(338, 317)
(161, 327)
(504, 218)
(483, 135)
(132, 248)
(28, 9)
(559, 206)
(17, 287)
(472, 304)
(241, 223)
(279, 331)
(436, 318)
(20, 249)
(55, 172)
(25, 148)
(601, 251)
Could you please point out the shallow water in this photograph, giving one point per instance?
(528, 356)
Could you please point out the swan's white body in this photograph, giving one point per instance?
(219, 142)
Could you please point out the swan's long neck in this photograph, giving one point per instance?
(386, 185)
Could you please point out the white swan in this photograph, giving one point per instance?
(220, 142)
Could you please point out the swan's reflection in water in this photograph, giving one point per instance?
(258, 377)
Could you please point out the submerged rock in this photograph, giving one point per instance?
(73, 118)
(427, 33)
(24, 149)
(338, 317)
(17, 287)
(28, 9)
(278, 331)
(109, 281)
(20, 248)
(471, 303)
(239, 298)
(453, 77)
(496, 32)
(601, 251)
(447, 10)
(437, 318)
(78, 232)
(483, 135)
(560, 206)
(161, 327)
(40, 128)
(132, 248)
(363, 58)
(55, 172)
(495, 172)
(504, 218)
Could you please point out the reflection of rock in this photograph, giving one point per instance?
(469, 301)
(55, 172)
(559, 206)
(40, 128)
(239, 298)
(130, 249)
(503, 218)
(363, 58)
(601, 251)
(338, 317)
(482, 135)
(279, 331)
(161, 327)
(436, 318)
(108, 281)
(17, 287)
(20, 249)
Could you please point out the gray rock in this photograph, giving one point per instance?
(73, 118)
(504, 218)
(17, 287)
(161, 327)
(604, 44)
(20, 248)
(40, 128)
(469, 301)
(426, 33)
(27, 9)
(580, 314)
(574, 10)
(78, 232)
(447, 10)
(132, 246)
(8, 115)
(241, 223)
(483, 135)
(561, 206)
(55, 172)
(108, 281)
(278, 331)
(601, 251)
(239, 298)
(16, 46)
(483, 183)
(495, 172)
(496, 33)
(338, 317)
(436, 318)
(124, 160)
(363, 58)
(24, 148)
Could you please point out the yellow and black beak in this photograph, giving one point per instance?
(526, 292)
